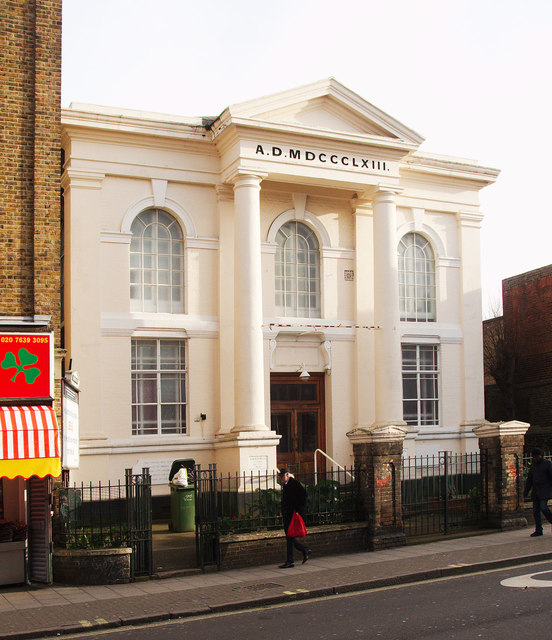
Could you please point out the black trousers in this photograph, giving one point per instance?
(293, 542)
(541, 506)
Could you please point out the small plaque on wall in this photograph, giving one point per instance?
(159, 470)
(349, 275)
(258, 463)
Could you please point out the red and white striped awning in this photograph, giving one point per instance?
(29, 442)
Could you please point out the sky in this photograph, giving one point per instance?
(472, 77)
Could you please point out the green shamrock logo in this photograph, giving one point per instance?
(26, 359)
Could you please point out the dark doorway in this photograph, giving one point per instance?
(297, 414)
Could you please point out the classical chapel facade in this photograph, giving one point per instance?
(248, 289)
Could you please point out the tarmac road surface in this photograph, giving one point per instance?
(496, 604)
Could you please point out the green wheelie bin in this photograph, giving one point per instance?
(182, 498)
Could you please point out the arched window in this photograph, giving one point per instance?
(416, 279)
(156, 263)
(297, 270)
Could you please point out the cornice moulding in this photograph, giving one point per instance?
(244, 125)
(36, 320)
(282, 327)
(101, 138)
(453, 263)
(246, 439)
(115, 237)
(337, 253)
(146, 444)
(158, 325)
(378, 433)
(139, 124)
(431, 332)
(202, 243)
(450, 168)
(332, 90)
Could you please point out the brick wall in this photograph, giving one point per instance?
(527, 318)
(527, 304)
(269, 547)
(30, 69)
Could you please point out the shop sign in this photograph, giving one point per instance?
(70, 431)
(26, 366)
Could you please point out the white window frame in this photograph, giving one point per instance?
(157, 373)
(289, 306)
(168, 280)
(419, 372)
(412, 293)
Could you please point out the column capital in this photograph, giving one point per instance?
(361, 205)
(82, 178)
(469, 219)
(224, 192)
(243, 178)
(386, 192)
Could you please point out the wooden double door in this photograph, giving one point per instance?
(297, 415)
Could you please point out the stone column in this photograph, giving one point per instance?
(377, 452)
(249, 395)
(501, 446)
(387, 339)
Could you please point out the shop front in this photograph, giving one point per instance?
(29, 457)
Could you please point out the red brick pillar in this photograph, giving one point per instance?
(377, 452)
(501, 446)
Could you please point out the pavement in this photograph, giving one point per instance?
(54, 610)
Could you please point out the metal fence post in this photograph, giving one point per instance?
(446, 506)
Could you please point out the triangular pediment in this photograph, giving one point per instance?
(325, 106)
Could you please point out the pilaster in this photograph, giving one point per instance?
(469, 234)
(364, 310)
(82, 272)
(387, 340)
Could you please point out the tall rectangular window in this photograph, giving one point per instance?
(420, 376)
(158, 387)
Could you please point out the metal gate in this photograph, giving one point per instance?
(443, 494)
(138, 504)
(206, 517)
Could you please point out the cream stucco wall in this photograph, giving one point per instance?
(121, 163)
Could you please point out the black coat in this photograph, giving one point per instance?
(539, 480)
(294, 498)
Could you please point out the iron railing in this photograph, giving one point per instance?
(92, 516)
(251, 502)
(108, 515)
(443, 493)
(243, 503)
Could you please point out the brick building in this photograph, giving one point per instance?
(30, 283)
(519, 346)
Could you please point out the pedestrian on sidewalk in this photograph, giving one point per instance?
(294, 498)
(539, 482)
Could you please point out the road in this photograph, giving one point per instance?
(462, 608)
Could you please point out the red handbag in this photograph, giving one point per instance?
(296, 527)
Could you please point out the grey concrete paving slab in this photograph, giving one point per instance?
(27, 612)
